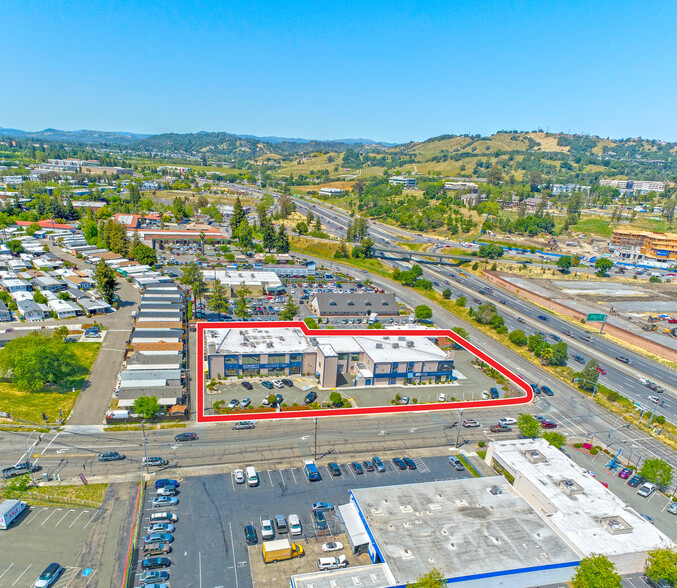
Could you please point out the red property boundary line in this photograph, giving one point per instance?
(371, 410)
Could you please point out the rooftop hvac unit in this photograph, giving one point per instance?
(402, 338)
(379, 346)
(396, 345)
(269, 343)
(410, 343)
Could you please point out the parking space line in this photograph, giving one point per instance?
(22, 573)
(37, 512)
(64, 516)
(282, 478)
(232, 482)
(293, 476)
(77, 517)
(270, 478)
(233, 551)
(351, 471)
(7, 570)
(50, 516)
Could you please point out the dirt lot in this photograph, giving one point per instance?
(277, 575)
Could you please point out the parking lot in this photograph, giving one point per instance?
(43, 535)
(471, 385)
(209, 548)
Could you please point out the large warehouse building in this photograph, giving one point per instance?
(358, 304)
(477, 532)
(367, 360)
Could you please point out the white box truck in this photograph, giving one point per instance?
(9, 511)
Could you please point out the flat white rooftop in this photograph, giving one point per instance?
(256, 341)
(235, 278)
(369, 576)
(458, 527)
(582, 517)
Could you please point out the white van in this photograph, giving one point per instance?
(252, 477)
(295, 525)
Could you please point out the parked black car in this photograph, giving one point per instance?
(250, 535)
(153, 563)
(310, 397)
(185, 437)
(247, 386)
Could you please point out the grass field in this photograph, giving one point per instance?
(29, 406)
(58, 495)
(597, 226)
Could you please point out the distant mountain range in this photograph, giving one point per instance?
(120, 137)
(82, 136)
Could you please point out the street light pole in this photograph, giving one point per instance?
(315, 452)
(145, 447)
(458, 430)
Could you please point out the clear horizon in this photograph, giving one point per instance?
(395, 72)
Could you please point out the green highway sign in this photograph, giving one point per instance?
(595, 318)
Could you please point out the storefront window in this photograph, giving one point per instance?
(249, 359)
(276, 359)
(354, 357)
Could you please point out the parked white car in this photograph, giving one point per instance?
(332, 563)
(239, 476)
(646, 489)
(332, 546)
(267, 531)
(506, 421)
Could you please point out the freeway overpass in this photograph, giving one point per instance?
(406, 254)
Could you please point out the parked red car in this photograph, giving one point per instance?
(625, 473)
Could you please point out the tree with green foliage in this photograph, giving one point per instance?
(560, 353)
(662, 565)
(289, 310)
(518, 337)
(311, 323)
(555, 439)
(241, 303)
(147, 407)
(61, 332)
(268, 235)
(423, 312)
(134, 194)
(656, 470)
(491, 251)
(282, 241)
(244, 234)
(39, 298)
(336, 399)
(342, 251)
(433, 579)
(461, 332)
(485, 313)
(238, 215)
(364, 250)
(32, 229)
(218, 299)
(596, 571)
(375, 325)
(301, 228)
(35, 361)
(603, 265)
(106, 281)
(494, 175)
(143, 254)
(564, 263)
(461, 301)
(447, 293)
(587, 379)
(285, 205)
(15, 246)
(528, 426)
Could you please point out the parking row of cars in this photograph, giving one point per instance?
(157, 543)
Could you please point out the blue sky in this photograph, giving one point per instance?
(392, 71)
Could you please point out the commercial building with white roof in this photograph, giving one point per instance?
(258, 282)
(370, 360)
(585, 514)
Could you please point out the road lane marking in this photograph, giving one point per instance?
(52, 441)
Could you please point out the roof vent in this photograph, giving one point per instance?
(379, 346)
(401, 338)
(410, 343)
(615, 525)
(570, 487)
(535, 456)
(396, 345)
